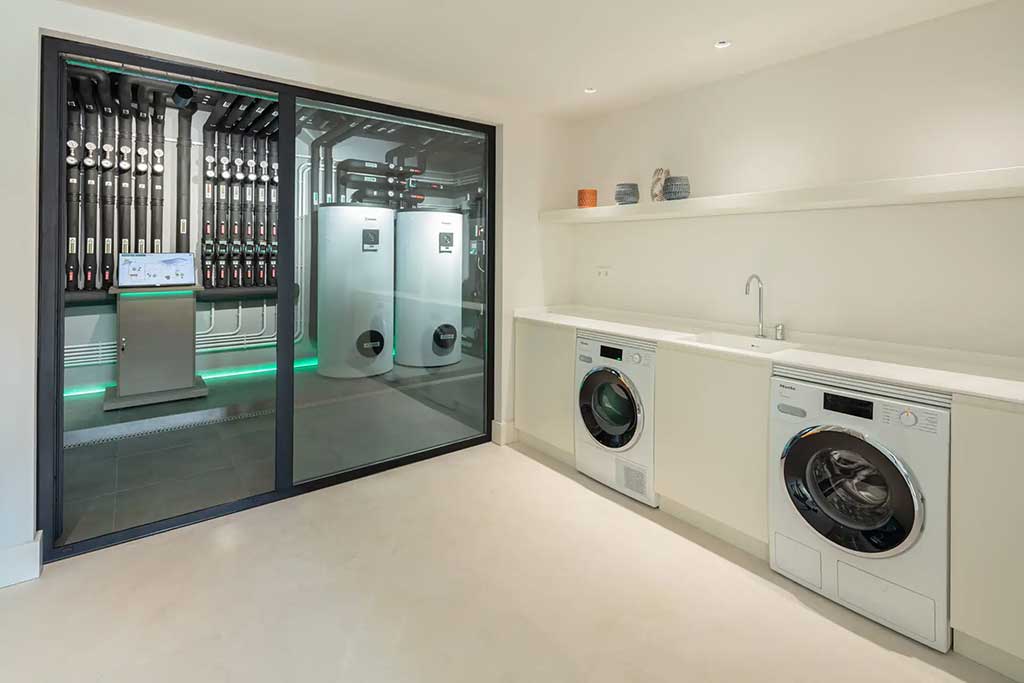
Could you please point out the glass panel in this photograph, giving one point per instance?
(170, 326)
(849, 491)
(392, 271)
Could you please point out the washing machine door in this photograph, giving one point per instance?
(852, 491)
(610, 408)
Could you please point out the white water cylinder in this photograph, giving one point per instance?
(428, 288)
(355, 282)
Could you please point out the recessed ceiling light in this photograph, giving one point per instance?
(589, 91)
(722, 44)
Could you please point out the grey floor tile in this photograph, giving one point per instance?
(87, 518)
(88, 477)
(178, 462)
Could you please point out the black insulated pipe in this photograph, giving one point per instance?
(237, 111)
(182, 96)
(124, 164)
(272, 211)
(73, 194)
(260, 211)
(141, 111)
(257, 127)
(156, 202)
(108, 192)
(90, 196)
(183, 188)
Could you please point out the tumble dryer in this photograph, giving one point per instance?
(614, 413)
(428, 288)
(355, 290)
(859, 497)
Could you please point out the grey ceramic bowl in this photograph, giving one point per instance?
(627, 193)
(677, 187)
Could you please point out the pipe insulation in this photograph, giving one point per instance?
(156, 203)
(272, 209)
(124, 164)
(73, 193)
(90, 196)
(183, 188)
(107, 162)
(142, 140)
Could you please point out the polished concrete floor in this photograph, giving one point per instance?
(483, 565)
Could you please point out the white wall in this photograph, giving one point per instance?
(520, 194)
(943, 96)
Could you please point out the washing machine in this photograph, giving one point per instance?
(355, 290)
(859, 497)
(428, 288)
(614, 429)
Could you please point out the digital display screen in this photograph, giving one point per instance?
(849, 406)
(611, 352)
(156, 270)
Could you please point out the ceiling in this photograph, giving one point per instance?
(543, 53)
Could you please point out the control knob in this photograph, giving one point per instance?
(636, 358)
(908, 418)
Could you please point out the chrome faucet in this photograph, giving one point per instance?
(760, 302)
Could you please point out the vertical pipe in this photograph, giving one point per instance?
(124, 164)
(235, 210)
(183, 231)
(73, 195)
(260, 211)
(156, 205)
(141, 167)
(107, 236)
(272, 211)
(223, 187)
(90, 197)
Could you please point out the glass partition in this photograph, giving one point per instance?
(391, 263)
(170, 326)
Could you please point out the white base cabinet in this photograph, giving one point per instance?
(987, 522)
(545, 385)
(711, 439)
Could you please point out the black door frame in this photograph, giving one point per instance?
(50, 327)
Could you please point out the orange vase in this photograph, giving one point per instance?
(586, 199)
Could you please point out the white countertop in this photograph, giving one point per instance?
(955, 372)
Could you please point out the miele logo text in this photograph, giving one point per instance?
(787, 386)
(371, 345)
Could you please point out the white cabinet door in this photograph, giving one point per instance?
(987, 522)
(545, 382)
(711, 435)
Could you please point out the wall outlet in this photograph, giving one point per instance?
(604, 271)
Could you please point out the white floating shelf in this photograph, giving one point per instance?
(999, 183)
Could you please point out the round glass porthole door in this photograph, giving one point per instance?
(610, 408)
(851, 491)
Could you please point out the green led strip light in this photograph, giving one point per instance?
(212, 374)
(163, 79)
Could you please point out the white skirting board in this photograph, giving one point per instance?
(546, 448)
(744, 542)
(503, 433)
(987, 655)
(21, 562)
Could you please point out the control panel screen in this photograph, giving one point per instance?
(611, 352)
(849, 406)
(156, 270)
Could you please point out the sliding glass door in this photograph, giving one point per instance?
(246, 291)
(391, 254)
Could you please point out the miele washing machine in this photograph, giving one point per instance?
(859, 497)
(614, 429)
(355, 285)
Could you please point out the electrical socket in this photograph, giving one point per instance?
(604, 271)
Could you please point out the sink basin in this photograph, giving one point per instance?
(739, 341)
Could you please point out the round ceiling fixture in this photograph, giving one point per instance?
(722, 44)
(589, 91)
